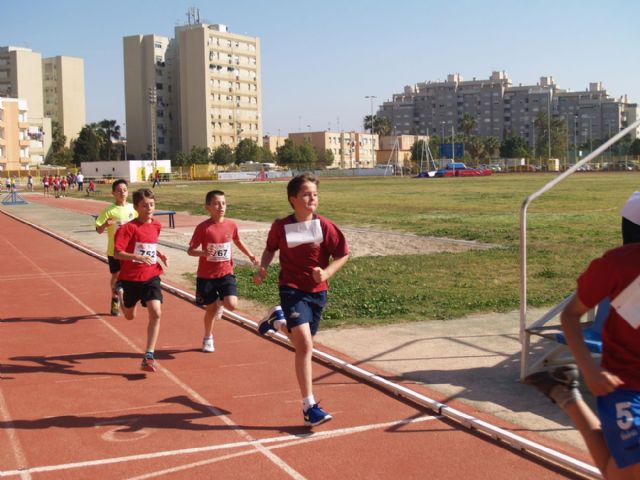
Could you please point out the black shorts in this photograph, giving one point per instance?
(301, 307)
(142, 291)
(209, 290)
(114, 265)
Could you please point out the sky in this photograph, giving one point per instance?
(321, 59)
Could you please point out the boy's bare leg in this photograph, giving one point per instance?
(303, 342)
(212, 312)
(129, 313)
(154, 308)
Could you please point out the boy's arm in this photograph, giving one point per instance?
(599, 381)
(196, 252)
(265, 261)
(324, 274)
(243, 248)
(162, 257)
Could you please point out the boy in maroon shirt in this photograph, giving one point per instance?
(212, 243)
(307, 242)
(136, 246)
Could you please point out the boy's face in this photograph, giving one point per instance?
(145, 208)
(217, 207)
(120, 193)
(306, 200)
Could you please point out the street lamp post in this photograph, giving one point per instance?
(153, 103)
(371, 97)
(575, 138)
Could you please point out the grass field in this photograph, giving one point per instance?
(575, 222)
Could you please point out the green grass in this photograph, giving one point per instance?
(568, 226)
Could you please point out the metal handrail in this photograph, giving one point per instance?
(523, 236)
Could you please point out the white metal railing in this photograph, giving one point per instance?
(524, 333)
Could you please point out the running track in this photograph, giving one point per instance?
(73, 403)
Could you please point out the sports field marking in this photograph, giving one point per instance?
(285, 467)
(118, 410)
(38, 276)
(84, 379)
(16, 447)
(266, 443)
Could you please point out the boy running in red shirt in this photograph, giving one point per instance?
(216, 284)
(306, 242)
(136, 246)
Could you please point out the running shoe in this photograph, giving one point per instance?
(314, 415)
(148, 364)
(560, 385)
(266, 323)
(208, 345)
(115, 307)
(120, 293)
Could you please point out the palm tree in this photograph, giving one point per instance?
(110, 131)
(381, 125)
(468, 124)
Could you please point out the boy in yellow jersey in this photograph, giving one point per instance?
(110, 219)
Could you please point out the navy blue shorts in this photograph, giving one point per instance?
(114, 265)
(619, 414)
(141, 291)
(302, 307)
(210, 290)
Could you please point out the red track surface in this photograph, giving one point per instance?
(74, 404)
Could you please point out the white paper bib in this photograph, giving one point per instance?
(303, 232)
(146, 250)
(627, 303)
(219, 252)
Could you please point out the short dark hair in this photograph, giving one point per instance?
(211, 194)
(295, 184)
(115, 184)
(141, 194)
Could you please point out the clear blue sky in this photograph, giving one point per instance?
(320, 58)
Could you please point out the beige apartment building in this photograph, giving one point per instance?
(208, 88)
(272, 142)
(64, 97)
(350, 149)
(396, 150)
(14, 134)
(21, 77)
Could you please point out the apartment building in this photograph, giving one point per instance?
(396, 150)
(499, 108)
(350, 149)
(208, 84)
(64, 97)
(21, 78)
(272, 142)
(14, 134)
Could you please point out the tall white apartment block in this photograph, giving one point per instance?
(21, 77)
(208, 84)
(64, 95)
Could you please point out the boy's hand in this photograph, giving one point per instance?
(601, 382)
(259, 276)
(319, 275)
(254, 260)
(164, 258)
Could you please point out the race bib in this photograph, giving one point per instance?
(146, 250)
(627, 303)
(219, 252)
(303, 232)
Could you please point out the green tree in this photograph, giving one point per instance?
(419, 151)
(246, 151)
(554, 131)
(308, 156)
(265, 155)
(58, 154)
(381, 125)
(199, 155)
(288, 154)
(182, 159)
(475, 147)
(634, 148)
(325, 159)
(468, 124)
(491, 146)
(86, 148)
(223, 155)
(110, 131)
(514, 146)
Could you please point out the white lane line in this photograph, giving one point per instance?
(284, 466)
(16, 447)
(280, 442)
(84, 379)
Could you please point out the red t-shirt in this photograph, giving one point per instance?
(140, 238)
(606, 277)
(217, 238)
(297, 263)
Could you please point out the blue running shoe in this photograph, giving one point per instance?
(266, 323)
(314, 415)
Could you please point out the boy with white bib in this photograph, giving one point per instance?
(212, 242)
(307, 242)
(136, 246)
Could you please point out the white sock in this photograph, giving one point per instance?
(308, 402)
(280, 325)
